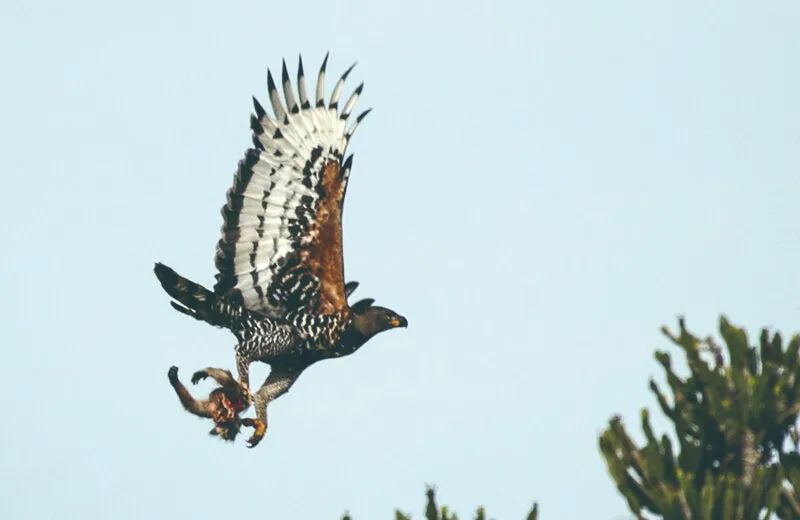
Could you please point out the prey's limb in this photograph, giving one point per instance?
(223, 377)
(192, 405)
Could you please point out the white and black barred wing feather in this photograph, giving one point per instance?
(281, 239)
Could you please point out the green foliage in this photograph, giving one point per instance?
(735, 425)
(433, 512)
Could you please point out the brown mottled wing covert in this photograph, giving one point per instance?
(324, 255)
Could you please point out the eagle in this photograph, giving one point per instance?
(280, 288)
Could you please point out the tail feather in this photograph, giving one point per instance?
(185, 310)
(193, 299)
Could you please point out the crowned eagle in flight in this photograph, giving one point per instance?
(280, 287)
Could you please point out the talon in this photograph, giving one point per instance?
(199, 376)
(258, 434)
(253, 441)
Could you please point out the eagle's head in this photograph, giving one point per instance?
(369, 319)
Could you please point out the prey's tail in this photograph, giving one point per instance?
(193, 299)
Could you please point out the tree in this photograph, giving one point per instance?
(734, 420)
(433, 512)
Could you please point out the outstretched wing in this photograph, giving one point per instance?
(281, 245)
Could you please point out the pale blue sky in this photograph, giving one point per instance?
(539, 188)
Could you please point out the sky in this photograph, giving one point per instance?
(540, 187)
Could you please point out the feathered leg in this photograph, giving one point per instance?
(277, 383)
(243, 368)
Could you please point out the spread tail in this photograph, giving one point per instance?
(193, 299)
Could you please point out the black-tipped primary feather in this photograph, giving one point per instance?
(363, 114)
(352, 129)
(348, 163)
(255, 125)
(291, 104)
(274, 97)
(260, 112)
(301, 85)
(351, 102)
(257, 143)
(337, 90)
(321, 82)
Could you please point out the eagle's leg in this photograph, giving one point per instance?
(243, 368)
(192, 405)
(260, 349)
(278, 383)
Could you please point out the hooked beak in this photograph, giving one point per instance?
(399, 322)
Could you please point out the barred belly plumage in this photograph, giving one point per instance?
(262, 339)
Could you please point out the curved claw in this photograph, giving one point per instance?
(253, 441)
(259, 430)
(199, 376)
